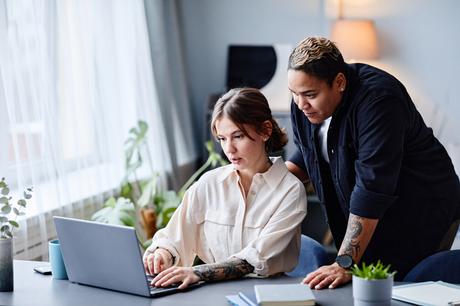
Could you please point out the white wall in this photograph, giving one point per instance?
(419, 43)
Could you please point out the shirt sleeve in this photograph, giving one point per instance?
(181, 234)
(381, 127)
(277, 247)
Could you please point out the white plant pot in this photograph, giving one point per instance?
(6, 265)
(374, 292)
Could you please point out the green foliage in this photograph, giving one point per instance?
(10, 211)
(214, 160)
(372, 271)
(133, 146)
(136, 194)
(116, 211)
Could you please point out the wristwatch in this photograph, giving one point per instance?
(345, 261)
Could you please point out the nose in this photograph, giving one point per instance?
(302, 103)
(229, 147)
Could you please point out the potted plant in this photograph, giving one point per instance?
(372, 284)
(9, 212)
(143, 202)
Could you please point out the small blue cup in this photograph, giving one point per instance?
(56, 261)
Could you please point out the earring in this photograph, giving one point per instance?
(342, 89)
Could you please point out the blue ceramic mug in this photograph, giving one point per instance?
(57, 263)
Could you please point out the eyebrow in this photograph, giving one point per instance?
(303, 92)
(233, 133)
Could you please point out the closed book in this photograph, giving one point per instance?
(284, 294)
(428, 293)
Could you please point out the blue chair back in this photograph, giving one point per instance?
(443, 266)
(312, 256)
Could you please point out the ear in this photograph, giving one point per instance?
(267, 129)
(340, 82)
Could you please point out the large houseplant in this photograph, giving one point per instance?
(372, 284)
(9, 212)
(144, 203)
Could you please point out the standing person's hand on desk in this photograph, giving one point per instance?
(330, 277)
(157, 261)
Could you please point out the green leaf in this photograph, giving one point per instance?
(7, 233)
(14, 223)
(111, 202)
(121, 212)
(372, 271)
(22, 203)
(3, 200)
(3, 183)
(6, 209)
(16, 211)
(4, 228)
(148, 192)
(3, 219)
(27, 196)
(127, 191)
(5, 190)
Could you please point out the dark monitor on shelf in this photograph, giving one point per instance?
(252, 66)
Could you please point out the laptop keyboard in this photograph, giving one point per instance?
(160, 291)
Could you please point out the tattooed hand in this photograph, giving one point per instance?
(327, 277)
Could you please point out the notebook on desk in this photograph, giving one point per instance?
(105, 256)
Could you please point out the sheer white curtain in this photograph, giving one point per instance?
(75, 76)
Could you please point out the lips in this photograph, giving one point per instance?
(234, 160)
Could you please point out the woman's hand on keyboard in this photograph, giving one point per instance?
(176, 275)
(158, 261)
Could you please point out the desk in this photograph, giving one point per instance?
(31, 288)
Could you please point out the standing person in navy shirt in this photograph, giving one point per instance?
(388, 186)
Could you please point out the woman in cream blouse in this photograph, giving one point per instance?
(241, 218)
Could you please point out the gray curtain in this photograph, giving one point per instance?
(170, 80)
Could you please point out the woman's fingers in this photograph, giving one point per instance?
(158, 263)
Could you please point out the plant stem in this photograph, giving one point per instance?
(194, 177)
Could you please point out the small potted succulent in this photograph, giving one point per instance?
(9, 212)
(372, 284)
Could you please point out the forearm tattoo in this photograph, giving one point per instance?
(234, 268)
(351, 242)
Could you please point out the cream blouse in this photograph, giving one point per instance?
(216, 222)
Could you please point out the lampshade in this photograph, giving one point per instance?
(356, 38)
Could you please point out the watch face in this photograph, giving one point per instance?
(345, 261)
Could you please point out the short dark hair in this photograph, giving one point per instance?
(319, 57)
(249, 106)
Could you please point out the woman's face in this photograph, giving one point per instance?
(315, 97)
(245, 154)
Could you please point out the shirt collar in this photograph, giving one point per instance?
(272, 176)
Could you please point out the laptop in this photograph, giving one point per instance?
(106, 256)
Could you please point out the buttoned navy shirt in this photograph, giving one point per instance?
(384, 163)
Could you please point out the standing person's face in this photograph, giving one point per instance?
(315, 97)
(245, 154)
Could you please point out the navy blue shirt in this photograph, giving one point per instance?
(385, 164)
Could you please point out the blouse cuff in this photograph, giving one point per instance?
(167, 245)
(252, 256)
